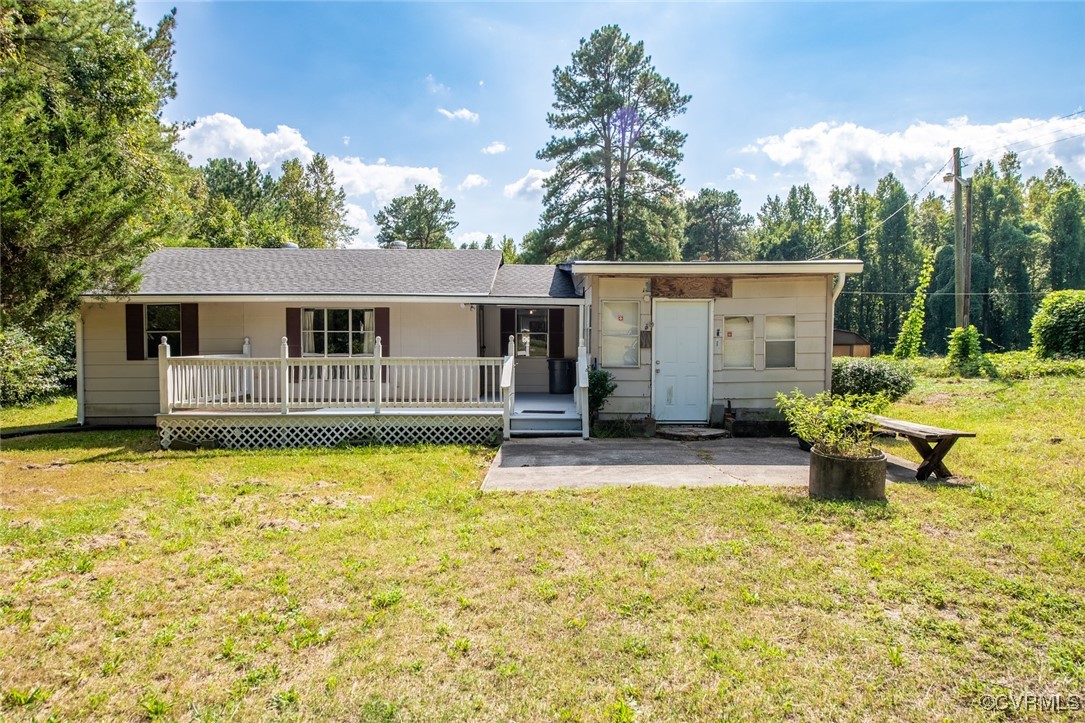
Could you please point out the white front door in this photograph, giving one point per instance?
(680, 361)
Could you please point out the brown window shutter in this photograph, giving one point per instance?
(293, 332)
(133, 332)
(190, 329)
(384, 331)
(556, 329)
(508, 328)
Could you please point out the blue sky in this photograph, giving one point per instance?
(456, 94)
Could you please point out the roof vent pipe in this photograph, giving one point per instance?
(398, 244)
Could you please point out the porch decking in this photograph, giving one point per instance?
(241, 402)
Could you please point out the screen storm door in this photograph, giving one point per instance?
(680, 365)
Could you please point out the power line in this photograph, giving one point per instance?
(1051, 143)
(993, 148)
(886, 219)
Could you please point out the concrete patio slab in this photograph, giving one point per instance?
(542, 464)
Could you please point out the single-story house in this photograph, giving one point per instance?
(278, 347)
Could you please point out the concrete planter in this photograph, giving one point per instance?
(847, 478)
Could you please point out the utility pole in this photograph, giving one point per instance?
(960, 260)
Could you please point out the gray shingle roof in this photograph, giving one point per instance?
(530, 280)
(198, 271)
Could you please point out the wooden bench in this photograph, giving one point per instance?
(921, 436)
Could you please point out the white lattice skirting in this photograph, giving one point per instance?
(250, 431)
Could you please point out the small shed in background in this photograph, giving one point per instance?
(848, 343)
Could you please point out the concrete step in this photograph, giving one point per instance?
(544, 422)
(545, 432)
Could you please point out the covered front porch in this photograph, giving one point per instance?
(239, 401)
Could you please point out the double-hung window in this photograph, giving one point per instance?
(779, 342)
(162, 320)
(620, 333)
(738, 342)
(532, 332)
(337, 332)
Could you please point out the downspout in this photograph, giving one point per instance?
(833, 292)
(80, 372)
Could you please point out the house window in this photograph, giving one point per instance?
(532, 332)
(738, 342)
(779, 342)
(162, 320)
(620, 335)
(337, 332)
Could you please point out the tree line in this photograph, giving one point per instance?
(91, 180)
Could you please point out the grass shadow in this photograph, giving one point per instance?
(67, 425)
(130, 441)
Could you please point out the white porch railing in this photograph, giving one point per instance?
(225, 383)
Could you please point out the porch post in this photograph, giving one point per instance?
(246, 376)
(164, 387)
(377, 375)
(284, 377)
(582, 388)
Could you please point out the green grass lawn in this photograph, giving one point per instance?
(380, 584)
(58, 412)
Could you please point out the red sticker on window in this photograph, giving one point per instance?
(729, 334)
(621, 317)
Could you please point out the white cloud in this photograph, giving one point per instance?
(738, 175)
(461, 114)
(385, 182)
(223, 136)
(346, 140)
(473, 180)
(481, 83)
(495, 148)
(468, 236)
(434, 86)
(529, 186)
(843, 153)
(367, 230)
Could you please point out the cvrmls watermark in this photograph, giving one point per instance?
(1025, 702)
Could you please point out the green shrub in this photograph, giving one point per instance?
(965, 357)
(1026, 365)
(1058, 329)
(862, 377)
(28, 371)
(600, 386)
(833, 424)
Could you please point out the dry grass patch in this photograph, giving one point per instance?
(380, 584)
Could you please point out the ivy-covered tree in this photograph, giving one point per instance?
(617, 160)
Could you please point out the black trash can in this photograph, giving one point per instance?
(561, 375)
